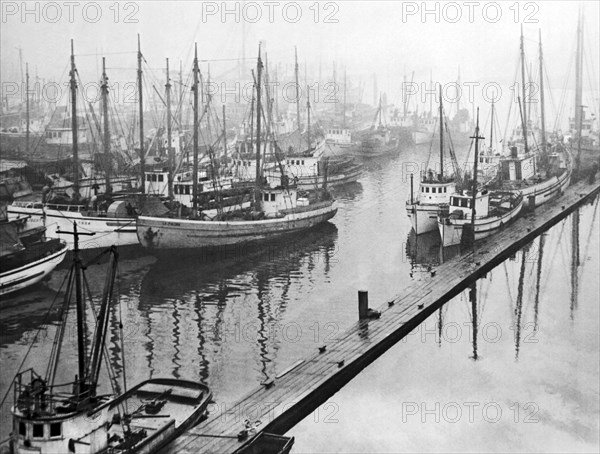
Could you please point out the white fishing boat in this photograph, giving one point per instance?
(51, 416)
(494, 210)
(540, 173)
(478, 213)
(435, 189)
(27, 256)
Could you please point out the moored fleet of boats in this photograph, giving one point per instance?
(261, 184)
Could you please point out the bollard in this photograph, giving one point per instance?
(363, 304)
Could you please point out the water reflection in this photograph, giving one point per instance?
(199, 315)
(522, 339)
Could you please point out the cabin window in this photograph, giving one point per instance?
(303, 162)
(272, 197)
(147, 177)
(161, 177)
(187, 190)
(433, 190)
(38, 431)
(266, 197)
(464, 203)
(55, 429)
(445, 189)
(22, 429)
(427, 189)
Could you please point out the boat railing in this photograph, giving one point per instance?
(33, 395)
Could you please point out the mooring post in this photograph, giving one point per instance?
(363, 304)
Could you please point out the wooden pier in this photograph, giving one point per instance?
(293, 394)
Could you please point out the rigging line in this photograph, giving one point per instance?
(34, 339)
(59, 335)
(590, 75)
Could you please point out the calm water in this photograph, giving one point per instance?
(529, 382)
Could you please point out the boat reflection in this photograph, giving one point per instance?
(218, 318)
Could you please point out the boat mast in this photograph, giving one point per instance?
(522, 108)
(224, 137)
(27, 107)
(252, 118)
(579, 73)
(542, 95)
(170, 149)
(476, 137)
(344, 105)
(195, 141)
(492, 126)
(380, 124)
(141, 107)
(106, 140)
(74, 128)
(297, 87)
(308, 117)
(259, 67)
(441, 137)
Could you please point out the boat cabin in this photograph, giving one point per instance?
(157, 182)
(463, 204)
(279, 199)
(517, 166)
(302, 166)
(340, 136)
(433, 190)
(64, 136)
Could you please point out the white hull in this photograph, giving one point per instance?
(92, 431)
(423, 217)
(538, 194)
(451, 230)
(32, 273)
(311, 182)
(421, 137)
(166, 233)
(108, 231)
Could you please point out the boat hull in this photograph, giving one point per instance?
(32, 273)
(166, 233)
(538, 194)
(421, 137)
(107, 231)
(311, 182)
(182, 403)
(423, 217)
(451, 230)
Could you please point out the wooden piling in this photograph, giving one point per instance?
(363, 304)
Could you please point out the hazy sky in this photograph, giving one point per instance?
(388, 38)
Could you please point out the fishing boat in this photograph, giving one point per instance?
(478, 213)
(435, 189)
(542, 173)
(51, 416)
(423, 129)
(312, 168)
(278, 207)
(378, 140)
(110, 218)
(27, 255)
